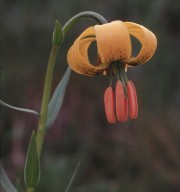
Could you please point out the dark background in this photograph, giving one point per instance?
(141, 155)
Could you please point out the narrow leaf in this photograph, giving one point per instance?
(32, 167)
(19, 109)
(72, 178)
(5, 181)
(58, 34)
(57, 98)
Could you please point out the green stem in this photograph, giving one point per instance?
(29, 189)
(45, 99)
(83, 15)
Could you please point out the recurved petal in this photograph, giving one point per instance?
(146, 38)
(113, 41)
(78, 55)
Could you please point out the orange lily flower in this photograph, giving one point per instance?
(114, 49)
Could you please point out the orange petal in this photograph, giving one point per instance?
(146, 38)
(125, 109)
(132, 97)
(109, 105)
(78, 55)
(113, 41)
(119, 101)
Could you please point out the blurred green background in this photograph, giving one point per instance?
(141, 155)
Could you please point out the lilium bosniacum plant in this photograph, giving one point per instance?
(114, 49)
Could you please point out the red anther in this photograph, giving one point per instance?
(125, 109)
(119, 94)
(109, 105)
(132, 97)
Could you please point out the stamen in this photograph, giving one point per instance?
(109, 105)
(132, 97)
(125, 109)
(119, 94)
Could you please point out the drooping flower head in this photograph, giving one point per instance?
(114, 49)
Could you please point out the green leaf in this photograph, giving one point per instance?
(18, 109)
(58, 34)
(72, 178)
(32, 167)
(57, 98)
(5, 181)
